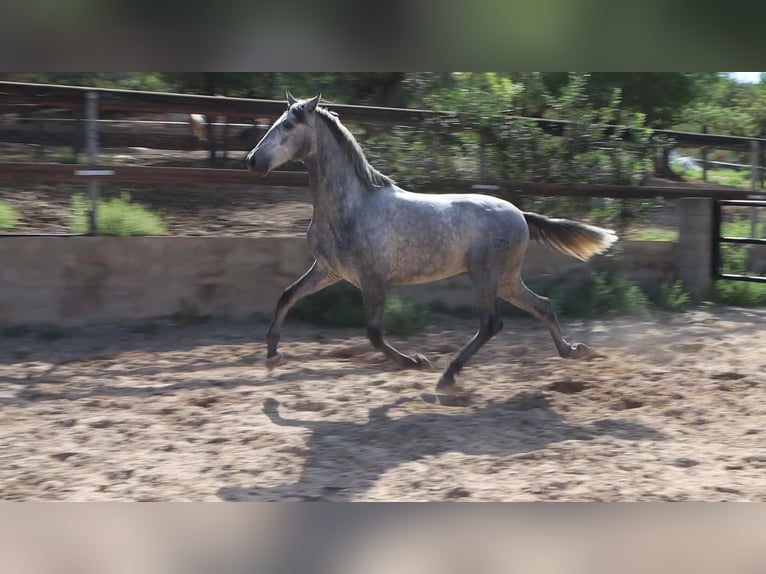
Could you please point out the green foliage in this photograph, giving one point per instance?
(739, 293)
(68, 155)
(189, 314)
(116, 216)
(148, 328)
(15, 331)
(149, 81)
(725, 106)
(341, 306)
(405, 317)
(337, 306)
(603, 294)
(669, 297)
(497, 144)
(734, 259)
(717, 176)
(740, 227)
(9, 216)
(660, 96)
(50, 333)
(657, 234)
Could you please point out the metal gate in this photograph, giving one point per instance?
(718, 239)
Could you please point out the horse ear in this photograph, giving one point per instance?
(290, 99)
(312, 103)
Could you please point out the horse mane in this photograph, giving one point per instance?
(370, 176)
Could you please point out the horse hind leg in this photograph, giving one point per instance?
(518, 294)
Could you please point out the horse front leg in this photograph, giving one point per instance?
(490, 324)
(374, 297)
(315, 279)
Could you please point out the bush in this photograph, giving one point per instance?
(739, 293)
(336, 306)
(9, 216)
(672, 297)
(604, 294)
(189, 314)
(405, 317)
(341, 306)
(117, 217)
(607, 293)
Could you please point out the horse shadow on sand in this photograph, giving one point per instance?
(345, 459)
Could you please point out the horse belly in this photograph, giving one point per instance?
(409, 270)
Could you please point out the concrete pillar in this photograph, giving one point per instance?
(695, 246)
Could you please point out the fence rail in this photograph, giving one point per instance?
(73, 97)
(42, 96)
(41, 172)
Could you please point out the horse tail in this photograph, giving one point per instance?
(569, 237)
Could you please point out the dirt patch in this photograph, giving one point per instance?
(191, 413)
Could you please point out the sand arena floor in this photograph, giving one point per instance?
(675, 410)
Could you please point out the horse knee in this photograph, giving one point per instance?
(285, 298)
(491, 325)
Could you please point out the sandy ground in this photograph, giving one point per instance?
(674, 411)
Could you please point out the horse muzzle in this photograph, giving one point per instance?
(257, 163)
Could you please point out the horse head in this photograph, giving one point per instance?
(290, 138)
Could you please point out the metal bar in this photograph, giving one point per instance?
(743, 240)
(43, 235)
(94, 172)
(716, 237)
(744, 202)
(750, 278)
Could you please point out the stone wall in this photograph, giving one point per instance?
(77, 281)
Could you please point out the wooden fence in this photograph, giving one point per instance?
(89, 103)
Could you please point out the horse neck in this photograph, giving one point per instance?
(335, 187)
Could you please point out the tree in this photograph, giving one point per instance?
(660, 96)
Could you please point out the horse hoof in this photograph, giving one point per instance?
(453, 389)
(273, 362)
(270, 405)
(583, 351)
(421, 362)
(446, 400)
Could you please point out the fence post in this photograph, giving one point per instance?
(695, 245)
(91, 134)
(755, 155)
(704, 157)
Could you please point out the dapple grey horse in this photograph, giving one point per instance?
(368, 231)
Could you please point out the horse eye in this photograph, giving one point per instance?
(288, 125)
